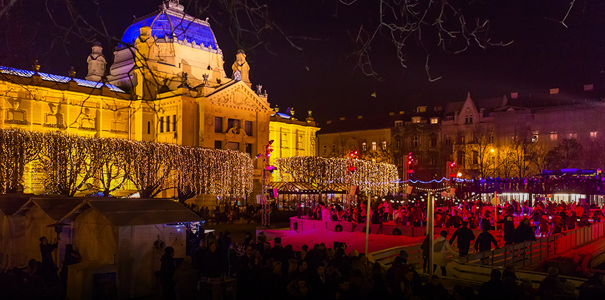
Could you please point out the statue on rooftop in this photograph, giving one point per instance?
(241, 65)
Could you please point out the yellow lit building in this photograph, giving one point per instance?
(291, 137)
(167, 84)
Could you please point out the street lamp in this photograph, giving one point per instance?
(459, 174)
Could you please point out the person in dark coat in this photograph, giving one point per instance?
(465, 236)
(484, 242)
(319, 282)
(425, 253)
(494, 288)
(509, 231)
(48, 270)
(524, 232)
(212, 264)
(167, 269)
(434, 289)
(198, 257)
(456, 220)
(593, 288)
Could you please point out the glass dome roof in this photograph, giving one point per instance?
(172, 22)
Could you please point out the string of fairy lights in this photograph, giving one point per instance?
(65, 164)
(371, 177)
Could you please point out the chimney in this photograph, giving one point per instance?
(359, 117)
(554, 91)
(514, 95)
(588, 87)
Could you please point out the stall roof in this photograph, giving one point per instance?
(132, 212)
(11, 203)
(57, 207)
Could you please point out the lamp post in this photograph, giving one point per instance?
(266, 214)
(430, 228)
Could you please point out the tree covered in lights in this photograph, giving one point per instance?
(371, 178)
(67, 165)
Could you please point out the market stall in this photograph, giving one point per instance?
(130, 235)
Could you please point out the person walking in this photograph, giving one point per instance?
(166, 273)
(465, 236)
(440, 249)
(509, 231)
(484, 243)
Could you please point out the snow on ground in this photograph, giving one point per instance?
(354, 240)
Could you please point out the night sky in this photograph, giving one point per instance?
(322, 77)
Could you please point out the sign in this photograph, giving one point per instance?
(495, 201)
(353, 190)
(409, 189)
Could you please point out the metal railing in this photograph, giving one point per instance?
(520, 254)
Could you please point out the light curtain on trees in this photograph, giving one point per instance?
(371, 178)
(66, 164)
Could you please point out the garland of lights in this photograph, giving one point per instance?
(371, 177)
(66, 164)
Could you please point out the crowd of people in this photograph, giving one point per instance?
(548, 217)
(39, 279)
(265, 271)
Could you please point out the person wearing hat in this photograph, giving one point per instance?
(167, 269)
(569, 292)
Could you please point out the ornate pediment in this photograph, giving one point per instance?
(238, 94)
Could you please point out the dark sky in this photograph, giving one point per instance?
(322, 77)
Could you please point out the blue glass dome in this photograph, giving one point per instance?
(173, 24)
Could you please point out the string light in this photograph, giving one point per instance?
(66, 164)
(372, 178)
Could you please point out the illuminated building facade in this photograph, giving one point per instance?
(167, 84)
(291, 137)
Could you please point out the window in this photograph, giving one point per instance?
(218, 124)
(434, 120)
(248, 128)
(384, 145)
(448, 140)
(593, 134)
(249, 149)
(553, 136)
(373, 146)
(148, 127)
(462, 139)
(364, 146)
(468, 119)
(218, 145)
(438, 108)
(475, 157)
(161, 124)
(433, 140)
(167, 123)
(534, 136)
(397, 143)
(173, 122)
(415, 141)
(421, 109)
(232, 123)
(416, 120)
(398, 123)
(461, 159)
(433, 161)
(333, 148)
(325, 149)
(490, 139)
(572, 135)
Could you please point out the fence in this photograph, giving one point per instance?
(521, 254)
